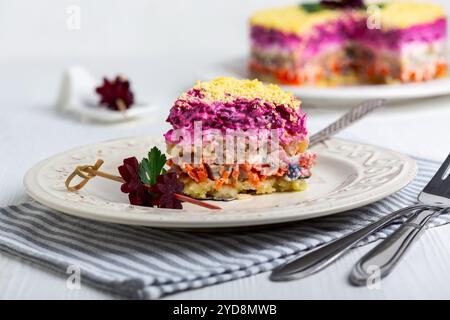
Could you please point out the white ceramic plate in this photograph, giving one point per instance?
(328, 97)
(94, 112)
(354, 94)
(347, 175)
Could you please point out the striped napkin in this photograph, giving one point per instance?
(146, 263)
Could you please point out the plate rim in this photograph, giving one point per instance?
(401, 91)
(30, 184)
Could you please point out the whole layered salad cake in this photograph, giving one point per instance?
(232, 136)
(331, 43)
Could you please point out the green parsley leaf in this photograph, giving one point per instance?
(150, 168)
(312, 7)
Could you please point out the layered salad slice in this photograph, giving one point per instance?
(233, 136)
(332, 43)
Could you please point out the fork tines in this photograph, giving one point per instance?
(440, 184)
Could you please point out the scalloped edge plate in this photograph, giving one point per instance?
(348, 175)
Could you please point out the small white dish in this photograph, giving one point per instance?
(77, 96)
(347, 175)
(337, 96)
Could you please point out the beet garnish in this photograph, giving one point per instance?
(116, 94)
(343, 4)
(169, 185)
(164, 192)
(312, 7)
(133, 185)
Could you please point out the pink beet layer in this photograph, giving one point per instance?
(239, 114)
(348, 29)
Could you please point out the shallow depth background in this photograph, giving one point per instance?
(133, 28)
(126, 29)
(164, 46)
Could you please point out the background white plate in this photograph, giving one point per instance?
(347, 175)
(340, 95)
(354, 94)
(77, 96)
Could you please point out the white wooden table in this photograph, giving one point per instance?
(30, 130)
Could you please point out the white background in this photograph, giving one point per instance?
(124, 29)
(164, 46)
(127, 29)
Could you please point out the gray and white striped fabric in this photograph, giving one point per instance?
(146, 263)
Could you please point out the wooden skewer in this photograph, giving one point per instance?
(122, 107)
(92, 171)
(182, 197)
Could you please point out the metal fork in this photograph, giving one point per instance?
(323, 256)
(388, 253)
(350, 117)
